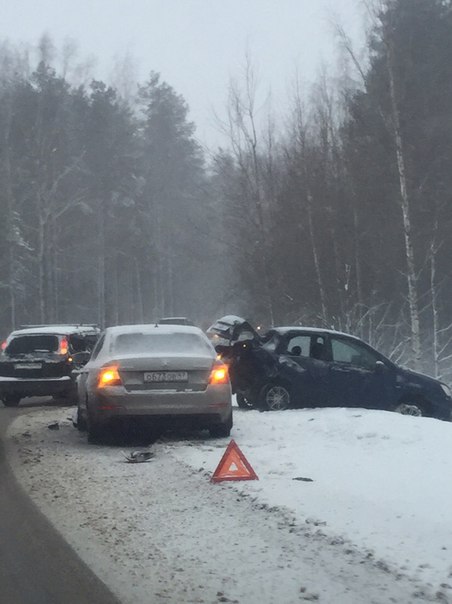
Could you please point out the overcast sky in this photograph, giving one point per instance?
(196, 45)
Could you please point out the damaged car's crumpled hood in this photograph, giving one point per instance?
(231, 329)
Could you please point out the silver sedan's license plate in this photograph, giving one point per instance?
(166, 376)
(27, 366)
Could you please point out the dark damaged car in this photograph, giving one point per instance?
(312, 367)
(40, 361)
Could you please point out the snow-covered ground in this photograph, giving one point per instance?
(373, 525)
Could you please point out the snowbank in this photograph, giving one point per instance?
(380, 480)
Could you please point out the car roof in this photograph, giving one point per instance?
(305, 329)
(154, 328)
(230, 320)
(63, 330)
(175, 321)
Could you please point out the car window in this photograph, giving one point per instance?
(98, 347)
(319, 348)
(164, 343)
(299, 346)
(79, 342)
(31, 343)
(271, 342)
(352, 353)
(90, 341)
(245, 336)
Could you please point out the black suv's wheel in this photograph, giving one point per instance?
(275, 397)
(11, 400)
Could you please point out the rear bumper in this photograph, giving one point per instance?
(212, 406)
(35, 387)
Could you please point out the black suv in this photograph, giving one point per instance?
(313, 367)
(38, 360)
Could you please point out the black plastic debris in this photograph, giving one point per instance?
(138, 456)
(303, 479)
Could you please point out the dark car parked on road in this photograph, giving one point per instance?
(313, 367)
(39, 361)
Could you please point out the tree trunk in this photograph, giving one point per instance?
(358, 276)
(41, 266)
(435, 313)
(405, 206)
(170, 284)
(262, 230)
(101, 266)
(10, 234)
(316, 259)
(139, 293)
(115, 287)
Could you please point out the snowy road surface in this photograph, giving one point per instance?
(374, 525)
(36, 564)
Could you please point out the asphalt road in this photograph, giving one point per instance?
(36, 565)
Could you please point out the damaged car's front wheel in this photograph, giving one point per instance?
(275, 397)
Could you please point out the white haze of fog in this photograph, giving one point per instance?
(196, 45)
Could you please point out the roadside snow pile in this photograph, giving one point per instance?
(374, 520)
(380, 480)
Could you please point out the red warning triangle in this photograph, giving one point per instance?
(233, 466)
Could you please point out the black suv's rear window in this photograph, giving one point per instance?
(31, 344)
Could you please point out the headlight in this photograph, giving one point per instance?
(446, 390)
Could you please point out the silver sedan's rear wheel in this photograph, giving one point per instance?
(221, 430)
(81, 421)
(275, 397)
(96, 431)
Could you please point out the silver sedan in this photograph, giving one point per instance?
(166, 374)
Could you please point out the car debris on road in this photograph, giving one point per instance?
(138, 456)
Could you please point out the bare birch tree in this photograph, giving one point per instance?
(243, 131)
(380, 12)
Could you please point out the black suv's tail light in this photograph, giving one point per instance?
(64, 346)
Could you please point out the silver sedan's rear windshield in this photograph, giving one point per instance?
(162, 343)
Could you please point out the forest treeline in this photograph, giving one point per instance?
(112, 213)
